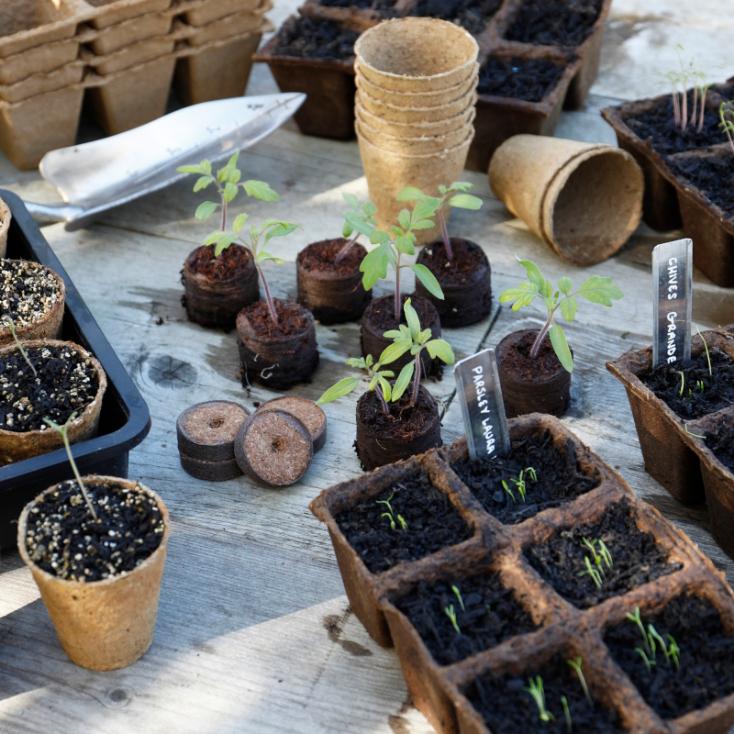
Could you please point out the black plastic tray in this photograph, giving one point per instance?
(125, 418)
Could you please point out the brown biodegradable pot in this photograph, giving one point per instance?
(44, 323)
(332, 291)
(379, 317)
(107, 624)
(217, 289)
(383, 439)
(466, 282)
(538, 385)
(15, 446)
(5, 217)
(278, 357)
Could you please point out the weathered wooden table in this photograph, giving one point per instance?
(254, 633)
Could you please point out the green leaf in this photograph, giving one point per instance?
(406, 243)
(428, 279)
(523, 295)
(234, 176)
(425, 210)
(565, 285)
(260, 190)
(213, 237)
(385, 387)
(203, 169)
(534, 274)
(465, 201)
(263, 257)
(202, 182)
(461, 186)
(230, 192)
(374, 266)
(441, 349)
(412, 320)
(410, 193)
(240, 221)
(341, 389)
(404, 219)
(569, 307)
(205, 210)
(394, 351)
(277, 228)
(403, 381)
(560, 347)
(359, 362)
(393, 334)
(424, 224)
(599, 289)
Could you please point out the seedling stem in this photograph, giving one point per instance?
(18, 343)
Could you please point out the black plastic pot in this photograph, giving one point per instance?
(124, 421)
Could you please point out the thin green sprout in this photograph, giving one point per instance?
(567, 713)
(535, 689)
(450, 612)
(18, 343)
(457, 594)
(392, 518)
(577, 665)
(706, 350)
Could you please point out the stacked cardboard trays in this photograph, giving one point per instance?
(513, 43)
(123, 54)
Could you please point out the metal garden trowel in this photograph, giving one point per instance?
(97, 176)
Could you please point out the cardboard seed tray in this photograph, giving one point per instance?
(439, 690)
(329, 84)
(671, 201)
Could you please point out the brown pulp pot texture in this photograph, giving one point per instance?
(546, 391)
(215, 302)
(277, 360)
(372, 328)
(332, 295)
(467, 299)
(377, 444)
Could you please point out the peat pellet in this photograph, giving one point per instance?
(211, 471)
(206, 431)
(306, 411)
(273, 447)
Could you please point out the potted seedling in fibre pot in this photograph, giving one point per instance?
(220, 282)
(460, 266)
(329, 279)
(96, 547)
(397, 419)
(385, 313)
(535, 365)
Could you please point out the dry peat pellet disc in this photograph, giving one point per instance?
(206, 431)
(273, 447)
(211, 471)
(306, 411)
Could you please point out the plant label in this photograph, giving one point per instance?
(672, 270)
(482, 406)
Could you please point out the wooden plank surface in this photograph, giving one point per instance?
(254, 633)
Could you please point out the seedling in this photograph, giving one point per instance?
(457, 594)
(598, 563)
(454, 196)
(227, 182)
(563, 299)
(379, 381)
(577, 665)
(18, 343)
(706, 351)
(726, 117)
(394, 519)
(680, 81)
(393, 246)
(519, 483)
(450, 612)
(567, 713)
(359, 219)
(652, 641)
(63, 431)
(535, 689)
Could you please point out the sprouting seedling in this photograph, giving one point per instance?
(691, 433)
(567, 713)
(392, 247)
(577, 665)
(680, 80)
(652, 641)
(672, 651)
(228, 183)
(19, 344)
(706, 351)
(726, 118)
(598, 562)
(63, 431)
(394, 519)
(457, 593)
(450, 612)
(379, 381)
(682, 387)
(359, 219)
(519, 483)
(563, 299)
(535, 689)
(454, 196)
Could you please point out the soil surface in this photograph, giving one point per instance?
(706, 670)
(559, 478)
(315, 39)
(234, 261)
(554, 22)
(528, 79)
(487, 613)
(711, 175)
(431, 523)
(65, 383)
(64, 539)
(635, 556)
(404, 422)
(702, 393)
(656, 125)
(384, 8)
(458, 271)
(470, 14)
(321, 257)
(508, 708)
(382, 314)
(28, 291)
(292, 319)
(721, 443)
(531, 369)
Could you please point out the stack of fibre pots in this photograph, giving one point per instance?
(123, 55)
(536, 57)
(415, 107)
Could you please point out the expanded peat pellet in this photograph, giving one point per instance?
(206, 431)
(306, 411)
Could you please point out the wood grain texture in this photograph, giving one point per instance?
(254, 634)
